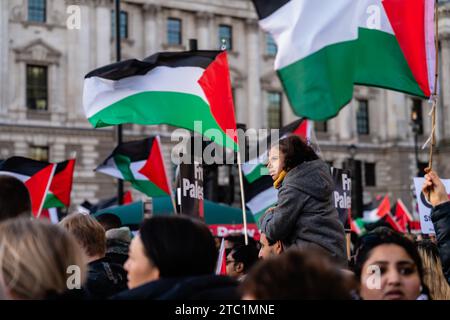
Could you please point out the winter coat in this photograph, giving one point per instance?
(305, 215)
(440, 216)
(105, 279)
(206, 287)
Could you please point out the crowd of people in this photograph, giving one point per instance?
(300, 254)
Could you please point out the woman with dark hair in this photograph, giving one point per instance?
(388, 267)
(174, 258)
(305, 215)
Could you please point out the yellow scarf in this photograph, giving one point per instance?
(279, 180)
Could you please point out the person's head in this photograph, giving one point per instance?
(295, 275)
(170, 246)
(109, 221)
(288, 153)
(388, 267)
(269, 248)
(88, 232)
(14, 198)
(236, 239)
(35, 257)
(433, 276)
(240, 259)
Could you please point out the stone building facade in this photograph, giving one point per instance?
(37, 39)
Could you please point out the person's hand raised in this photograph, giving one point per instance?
(434, 189)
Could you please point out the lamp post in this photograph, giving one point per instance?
(357, 192)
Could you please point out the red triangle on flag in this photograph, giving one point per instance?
(384, 207)
(38, 186)
(154, 168)
(62, 181)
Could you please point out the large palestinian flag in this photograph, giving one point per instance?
(258, 185)
(61, 187)
(36, 175)
(174, 88)
(325, 47)
(142, 164)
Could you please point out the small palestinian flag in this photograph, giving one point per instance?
(255, 168)
(174, 88)
(325, 47)
(142, 164)
(377, 209)
(36, 175)
(61, 187)
(402, 215)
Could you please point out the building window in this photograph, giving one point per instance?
(174, 31)
(37, 10)
(39, 153)
(226, 35)
(123, 24)
(416, 116)
(271, 46)
(37, 88)
(321, 126)
(369, 174)
(362, 117)
(274, 110)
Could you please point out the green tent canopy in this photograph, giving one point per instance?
(215, 213)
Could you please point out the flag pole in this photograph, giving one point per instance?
(46, 191)
(433, 97)
(241, 182)
(119, 131)
(172, 197)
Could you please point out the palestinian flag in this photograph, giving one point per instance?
(221, 264)
(377, 209)
(174, 88)
(256, 167)
(36, 175)
(326, 47)
(61, 187)
(357, 226)
(402, 215)
(260, 195)
(141, 163)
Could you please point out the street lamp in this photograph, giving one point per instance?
(357, 192)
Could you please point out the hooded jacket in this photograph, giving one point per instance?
(440, 216)
(305, 215)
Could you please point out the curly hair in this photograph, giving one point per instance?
(295, 151)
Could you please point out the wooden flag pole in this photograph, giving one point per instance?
(432, 138)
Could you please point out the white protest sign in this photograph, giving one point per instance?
(424, 206)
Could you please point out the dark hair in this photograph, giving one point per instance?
(246, 254)
(295, 275)
(14, 198)
(295, 151)
(179, 246)
(239, 240)
(109, 221)
(381, 236)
